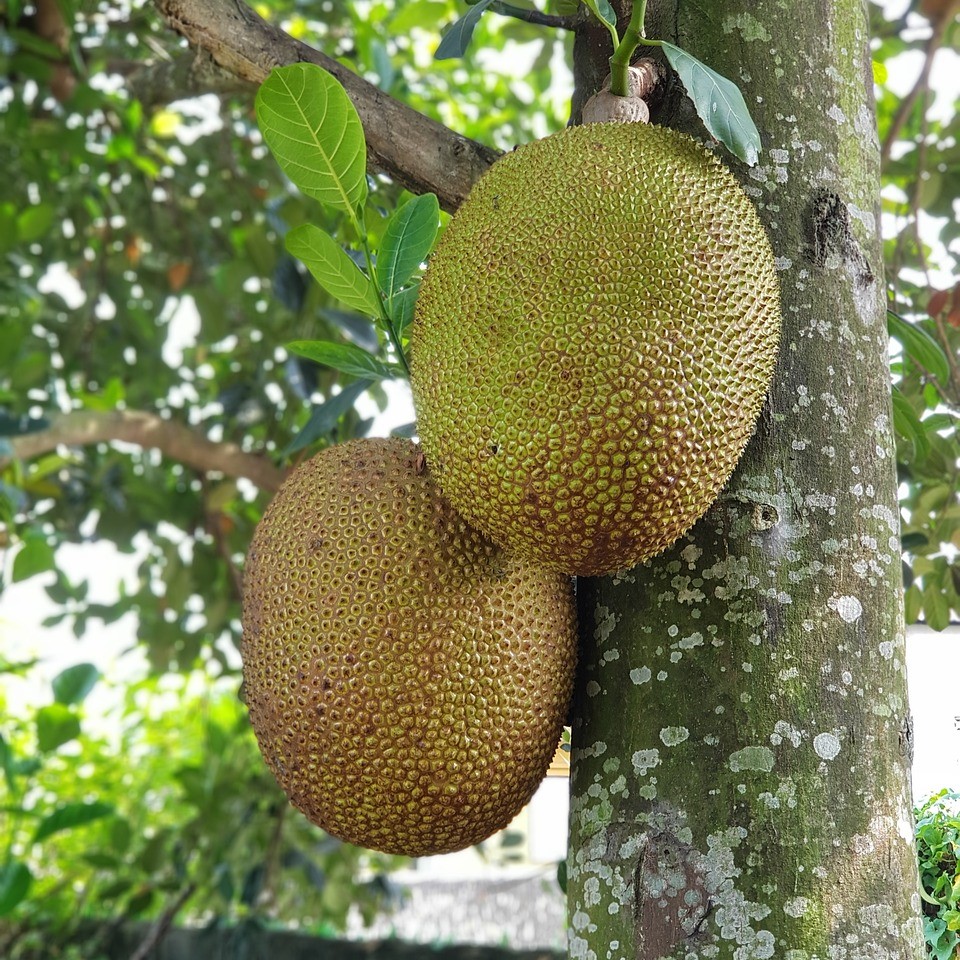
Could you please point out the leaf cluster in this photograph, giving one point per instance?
(96, 831)
(921, 183)
(938, 845)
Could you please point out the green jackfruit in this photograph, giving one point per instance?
(592, 345)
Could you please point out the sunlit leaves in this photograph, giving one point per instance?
(71, 815)
(15, 880)
(407, 241)
(333, 269)
(72, 685)
(938, 840)
(56, 725)
(35, 556)
(345, 357)
(313, 130)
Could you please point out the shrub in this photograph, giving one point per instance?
(938, 843)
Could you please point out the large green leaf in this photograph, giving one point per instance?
(314, 131)
(719, 103)
(72, 685)
(71, 815)
(15, 880)
(908, 425)
(346, 358)
(333, 269)
(919, 345)
(407, 241)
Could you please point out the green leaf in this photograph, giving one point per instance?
(333, 269)
(35, 556)
(919, 346)
(15, 880)
(456, 40)
(719, 103)
(346, 358)
(314, 131)
(71, 815)
(73, 684)
(907, 424)
(6, 764)
(56, 725)
(325, 416)
(913, 603)
(407, 241)
(936, 608)
(34, 222)
(402, 308)
(603, 11)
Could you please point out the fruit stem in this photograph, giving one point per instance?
(634, 36)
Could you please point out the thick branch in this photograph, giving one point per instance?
(173, 440)
(415, 151)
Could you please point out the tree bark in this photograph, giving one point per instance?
(742, 740)
(419, 153)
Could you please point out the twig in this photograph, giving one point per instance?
(163, 924)
(534, 16)
(951, 358)
(923, 82)
(274, 847)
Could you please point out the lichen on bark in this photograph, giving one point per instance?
(740, 770)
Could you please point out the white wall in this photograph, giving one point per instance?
(933, 679)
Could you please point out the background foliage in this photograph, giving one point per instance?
(141, 229)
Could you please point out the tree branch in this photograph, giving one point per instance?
(922, 85)
(173, 440)
(163, 924)
(534, 16)
(415, 151)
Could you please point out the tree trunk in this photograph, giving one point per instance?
(742, 738)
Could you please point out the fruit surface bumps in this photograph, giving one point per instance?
(406, 680)
(593, 342)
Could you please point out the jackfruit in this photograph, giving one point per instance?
(407, 680)
(592, 344)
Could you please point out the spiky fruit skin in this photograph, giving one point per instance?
(592, 345)
(407, 681)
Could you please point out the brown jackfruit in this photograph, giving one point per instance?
(407, 681)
